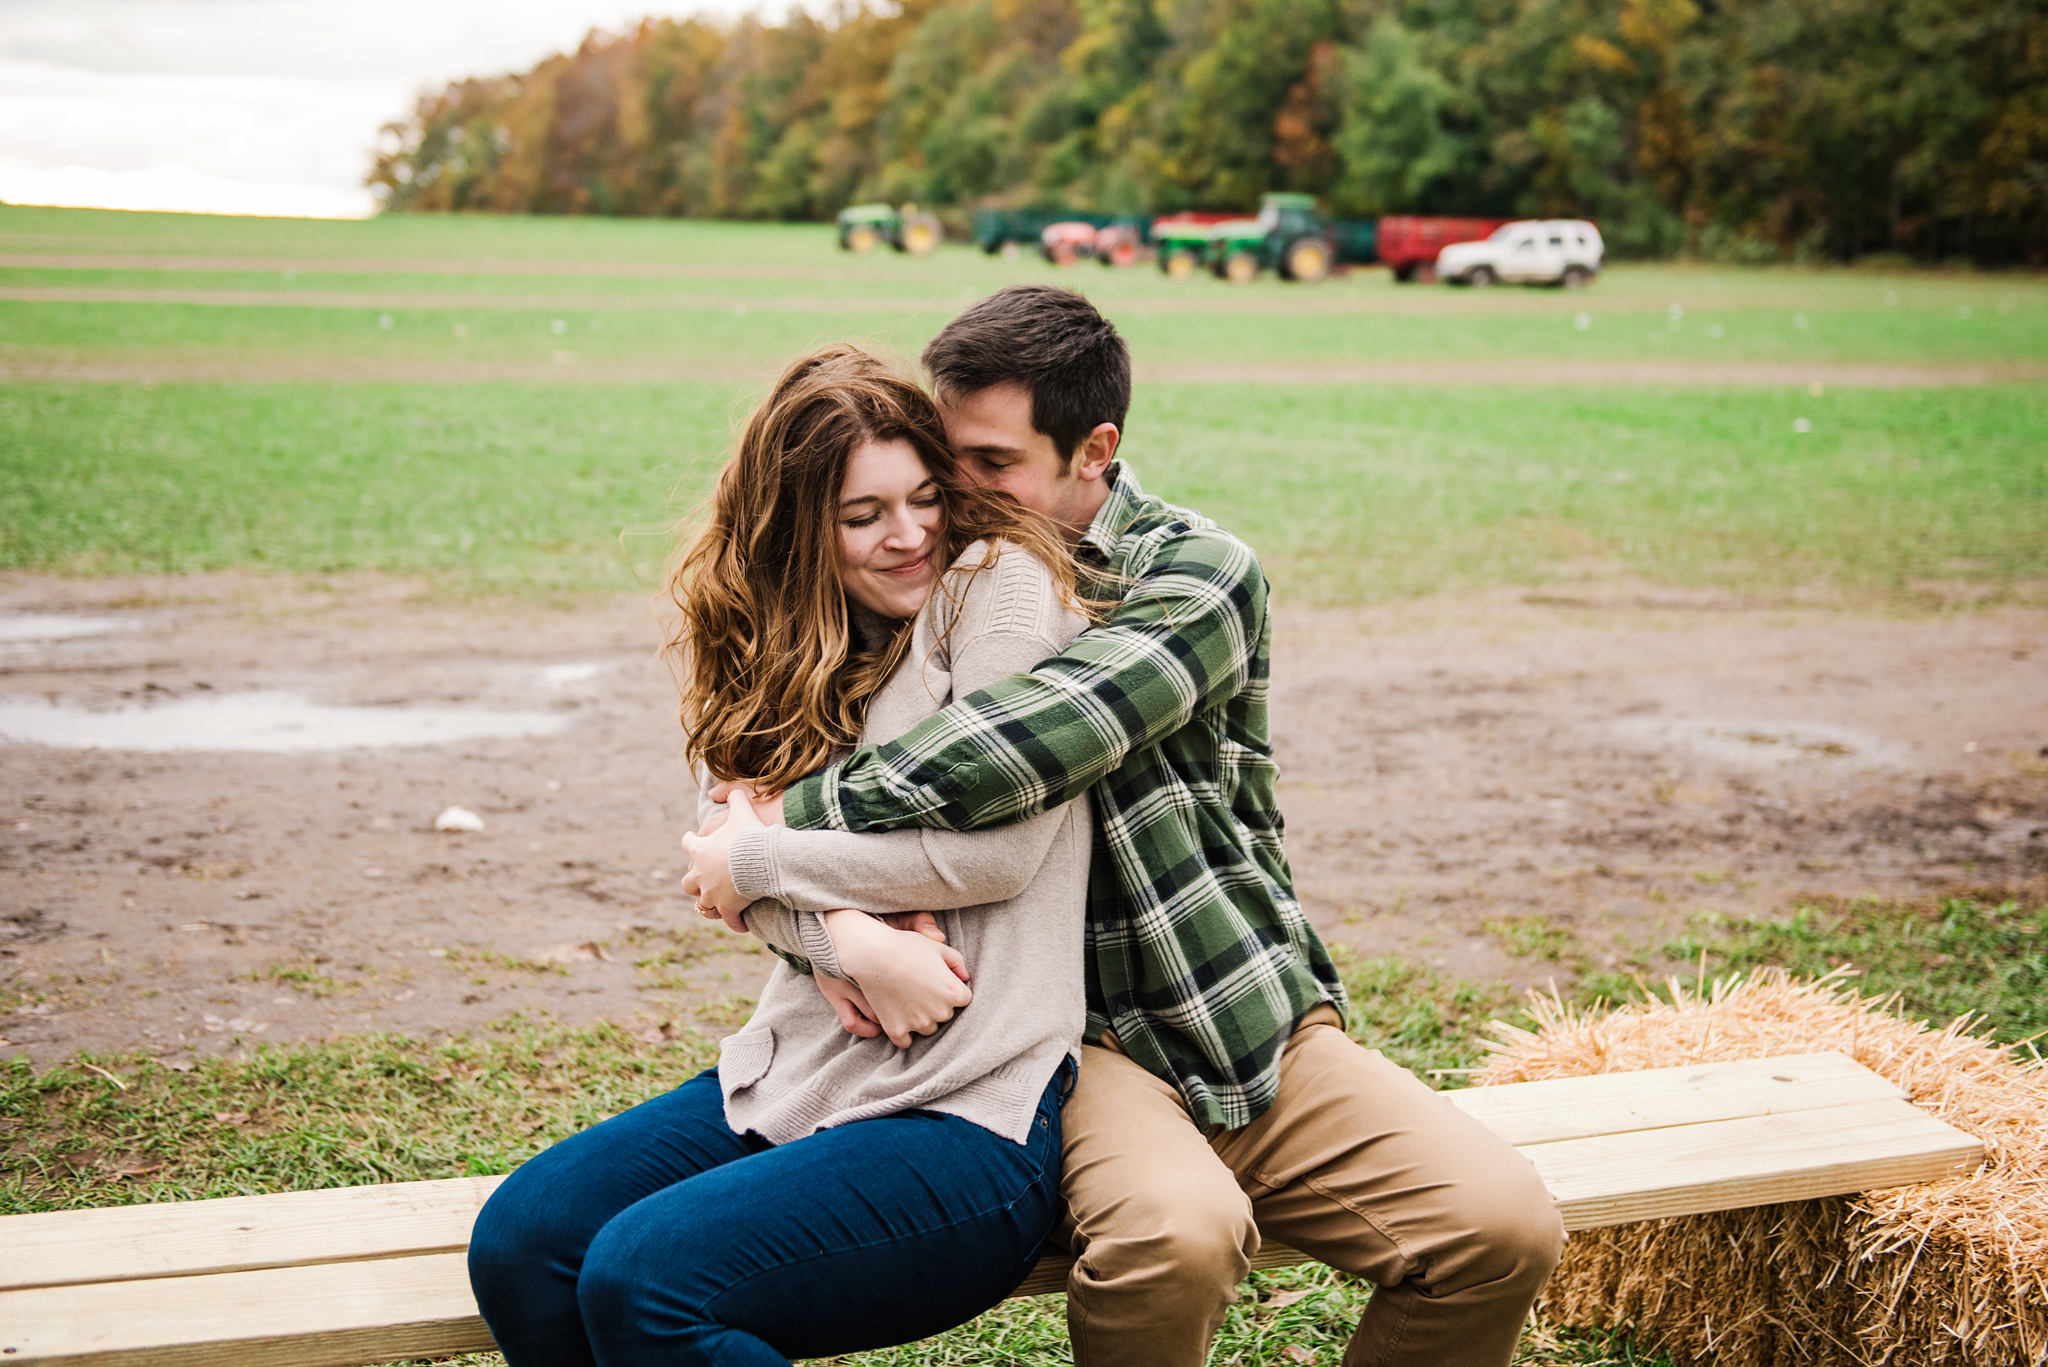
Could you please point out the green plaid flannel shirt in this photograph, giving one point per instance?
(1199, 955)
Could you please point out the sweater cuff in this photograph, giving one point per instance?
(751, 862)
(816, 943)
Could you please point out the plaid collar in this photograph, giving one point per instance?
(1125, 502)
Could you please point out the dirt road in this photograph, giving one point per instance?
(1613, 759)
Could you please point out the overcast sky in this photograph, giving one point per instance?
(250, 106)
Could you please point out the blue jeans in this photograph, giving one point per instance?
(661, 1238)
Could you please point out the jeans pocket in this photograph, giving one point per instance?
(1044, 1145)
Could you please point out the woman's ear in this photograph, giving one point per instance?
(1097, 450)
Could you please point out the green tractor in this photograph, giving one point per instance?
(1289, 236)
(1181, 243)
(864, 227)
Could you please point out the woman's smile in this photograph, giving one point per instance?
(912, 569)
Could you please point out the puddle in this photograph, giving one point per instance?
(559, 677)
(1770, 743)
(277, 722)
(52, 626)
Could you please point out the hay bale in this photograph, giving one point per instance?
(1949, 1272)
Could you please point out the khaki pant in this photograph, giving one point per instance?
(1358, 1164)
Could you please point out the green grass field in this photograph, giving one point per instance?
(755, 323)
(521, 406)
(1352, 494)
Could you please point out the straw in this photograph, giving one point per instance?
(1949, 1272)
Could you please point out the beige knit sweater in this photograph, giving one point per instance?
(1011, 900)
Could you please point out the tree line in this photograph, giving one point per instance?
(1735, 129)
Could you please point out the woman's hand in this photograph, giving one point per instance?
(690, 884)
(709, 877)
(923, 922)
(846, 999)
(913, 984)
(856, 1017)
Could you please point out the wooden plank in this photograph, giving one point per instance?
(189, 1238)
(1761, 1160)
(240, 1233)
(329, 1315)
(404, 1219)
(1617, 1103)
(1652, 1174)
(342, 1314)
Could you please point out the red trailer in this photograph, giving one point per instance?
(1410, 244)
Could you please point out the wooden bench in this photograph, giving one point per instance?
(372, 1274)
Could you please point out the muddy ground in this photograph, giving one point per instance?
(1614, 758)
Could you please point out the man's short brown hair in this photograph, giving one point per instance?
(1047, 340)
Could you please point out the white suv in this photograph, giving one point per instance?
(1556, 251)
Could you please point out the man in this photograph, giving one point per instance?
(1218, 1101)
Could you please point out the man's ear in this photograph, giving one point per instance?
(1096, 451)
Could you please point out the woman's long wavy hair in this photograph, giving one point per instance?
(773, 676)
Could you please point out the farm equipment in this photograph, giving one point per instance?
(1181, 243)
(1120, 244)
(1289, 236)
(1065, 243)
(998, 229)
(864, 227)
(1410, 244)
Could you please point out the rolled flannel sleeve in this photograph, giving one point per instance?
(1182, 640)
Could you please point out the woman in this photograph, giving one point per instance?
(821, 1192)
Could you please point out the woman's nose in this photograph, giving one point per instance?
(905, 532)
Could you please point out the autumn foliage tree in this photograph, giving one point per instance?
(1743, 129)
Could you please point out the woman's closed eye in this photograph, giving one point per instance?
(871, 518)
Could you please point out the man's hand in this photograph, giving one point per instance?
(847, 1003)
(913, 984)
(709, 877)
